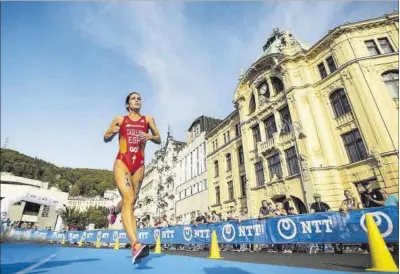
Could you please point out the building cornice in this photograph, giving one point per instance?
(369, 23)
(270, 106)
(349, 63)
(224, 122)
(237, 139)
(353, 165)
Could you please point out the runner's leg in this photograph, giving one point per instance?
(136, 179)
(140, 250)
(123, 181)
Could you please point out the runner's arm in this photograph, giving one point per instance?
(154, 130)
(109, 135)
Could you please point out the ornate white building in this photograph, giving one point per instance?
(110, 197)
(146, 206)
(191, 175)
(156, 197)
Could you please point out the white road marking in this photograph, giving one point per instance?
(32, 267)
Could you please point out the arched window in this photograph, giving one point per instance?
(340, 103)
(252, 106)
(391, 79)
(277, 84)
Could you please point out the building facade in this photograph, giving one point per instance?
(227, 183)
(191, 177)
(156, 197)
(167, 164)
(321, 119)
(29, 212)
(81, 203)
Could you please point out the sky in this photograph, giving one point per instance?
(66, 67)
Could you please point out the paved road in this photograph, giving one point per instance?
(58, 259)
(351, 262)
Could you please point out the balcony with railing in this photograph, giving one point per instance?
(344, 119)
(267, 145)
(285, 137)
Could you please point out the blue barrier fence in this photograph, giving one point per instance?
(330, 227)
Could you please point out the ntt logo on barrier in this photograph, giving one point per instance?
(156, 233)
(187, 233)
(115, 235)
(378, 217)
(287, 228)
(228, 232)
(305, 228)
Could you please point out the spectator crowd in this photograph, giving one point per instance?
(369, 198)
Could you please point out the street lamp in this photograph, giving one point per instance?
(297, 128)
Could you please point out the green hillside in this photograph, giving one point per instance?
(76, 181)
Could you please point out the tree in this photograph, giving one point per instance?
(97, 216)
(63, 185)
(48, 175)
(92, 193)
(19, 169)
(74, 191)
(86, 185)
(34, 168)
(102, 187)
(80, 185)
(84, 218)
(70, 215)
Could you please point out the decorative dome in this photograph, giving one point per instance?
(282, 42)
